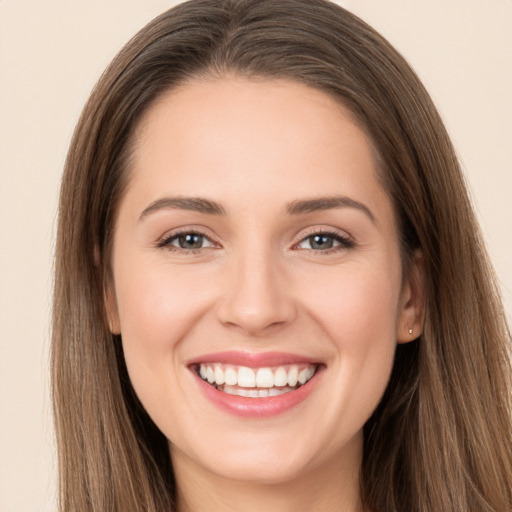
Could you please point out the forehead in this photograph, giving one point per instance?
(234, 136)
(204, 102)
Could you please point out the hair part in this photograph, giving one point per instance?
(441, 438)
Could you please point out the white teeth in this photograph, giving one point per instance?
(265, 378)
(262, 382)
(231, 376)
(256, 393)
(279, 391)
(303, 376)
(246, 377)
(219, 375)
(210, 375)
(293, 376)
(280, 377)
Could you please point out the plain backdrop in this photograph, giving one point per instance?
(51, 54)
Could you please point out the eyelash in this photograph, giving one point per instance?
(165, 243)
(344, 241)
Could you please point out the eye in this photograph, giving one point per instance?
(187, 241)
(325, 241)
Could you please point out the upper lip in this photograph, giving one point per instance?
(253, 359)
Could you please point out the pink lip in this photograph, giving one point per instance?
(255, 407)
(253, 360)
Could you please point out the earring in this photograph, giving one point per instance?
(410, 331)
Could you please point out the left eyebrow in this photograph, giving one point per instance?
(196, 204)
(316, 204)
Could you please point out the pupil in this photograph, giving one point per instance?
(321, 242)
(190, 241)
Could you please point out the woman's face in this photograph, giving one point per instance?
(258, 283)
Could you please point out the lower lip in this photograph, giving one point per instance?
(264, 407)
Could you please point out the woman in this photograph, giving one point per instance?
(271, 290)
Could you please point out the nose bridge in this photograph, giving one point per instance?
(257, 297)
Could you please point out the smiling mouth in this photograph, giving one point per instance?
(255, 382)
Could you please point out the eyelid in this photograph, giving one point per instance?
(345, 239)
(164, 241)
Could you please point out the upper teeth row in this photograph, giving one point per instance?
(243, 376)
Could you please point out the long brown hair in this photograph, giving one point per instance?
(441, 439)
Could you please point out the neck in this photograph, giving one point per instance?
(330, 487)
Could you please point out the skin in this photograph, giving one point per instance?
(258, 285)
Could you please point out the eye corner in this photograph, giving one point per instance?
(324, 241)
(187, 241)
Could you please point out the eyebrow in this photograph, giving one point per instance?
(196, 204)
(299, 207)
(316, 204)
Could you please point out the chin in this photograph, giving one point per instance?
(268, 458)
(258, 469)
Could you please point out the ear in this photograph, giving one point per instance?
(412, 301)
(109, 299)
(111, 309)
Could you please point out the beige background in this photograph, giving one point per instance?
(52, 52)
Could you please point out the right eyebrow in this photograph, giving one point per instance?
(196, 204)
(326, 203)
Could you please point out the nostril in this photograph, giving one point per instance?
(255, 319)
(257, 298)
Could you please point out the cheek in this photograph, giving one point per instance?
(357, 304)
(357, 310)
(157, 308)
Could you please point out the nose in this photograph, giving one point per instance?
(258, 298)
